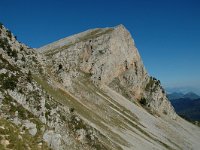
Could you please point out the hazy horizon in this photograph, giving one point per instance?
(166, 33)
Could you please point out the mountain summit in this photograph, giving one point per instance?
(87, 91)
(110, 58)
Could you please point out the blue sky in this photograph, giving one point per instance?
(167, 33)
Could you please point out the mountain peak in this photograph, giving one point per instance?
(120, 26)
(87, 91)
(179, 95)
(191, 95)
(107, 55)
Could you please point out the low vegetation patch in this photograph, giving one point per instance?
(11, 137)
(152, 85)
(143, 101)
(8, 82)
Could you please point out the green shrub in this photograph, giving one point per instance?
(10, 83)
(76, 124)
(149, 84)
(152, 85)
(14, 53)
(9, 51)
(143, 101)
(4, 44)
(7, 65)
(71, 110)
(47, 106)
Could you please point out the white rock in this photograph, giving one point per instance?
(53, 139)
(31, 127)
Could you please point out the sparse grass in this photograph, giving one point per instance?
(90, 87)
(152, 85)
(54, 51)
(17, 141)
(65, 99)
(95, 33)
(7, 65)
(11, 107)
(134, 122)
(4, 44)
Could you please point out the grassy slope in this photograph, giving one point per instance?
(11, 137)
(65, 98)
(108, 116)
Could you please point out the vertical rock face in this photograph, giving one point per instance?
(110, 58)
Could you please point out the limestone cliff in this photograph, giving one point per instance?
(110, 57)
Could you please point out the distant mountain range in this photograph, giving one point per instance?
(186, 105)
(179, 95)
(184, 89)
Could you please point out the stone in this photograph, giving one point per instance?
(80, 134)
(53, 139)
(31, 127)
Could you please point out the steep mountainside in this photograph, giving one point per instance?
(87, 91)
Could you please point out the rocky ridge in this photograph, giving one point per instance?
(26, 103)
(87, 91)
